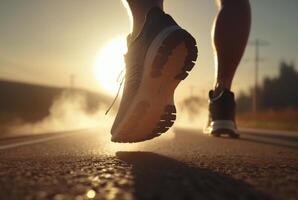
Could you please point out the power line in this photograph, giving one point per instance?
(257, 43)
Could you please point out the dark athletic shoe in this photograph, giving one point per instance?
(157, 60)
(222, 115)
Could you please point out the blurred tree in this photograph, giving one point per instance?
(275, 93)
(281, 92)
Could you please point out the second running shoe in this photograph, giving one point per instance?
(158, 59)
(222, 110)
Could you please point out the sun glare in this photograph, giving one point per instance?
(109, 64)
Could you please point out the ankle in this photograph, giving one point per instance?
(219, 88)
(136, 29)
(139, 10)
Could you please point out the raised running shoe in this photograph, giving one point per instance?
(157, 60)
(222, 115)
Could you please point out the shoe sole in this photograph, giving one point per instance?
(169, 59)
(222, 128)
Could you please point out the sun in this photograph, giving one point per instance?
(110, 63)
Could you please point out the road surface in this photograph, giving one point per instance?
(183, 164)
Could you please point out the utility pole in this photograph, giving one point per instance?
(191, 91)
(257, 44)
(72, 81)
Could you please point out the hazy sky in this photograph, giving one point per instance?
(44, 41)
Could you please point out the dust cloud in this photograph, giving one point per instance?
(68, 112)
(192, 113)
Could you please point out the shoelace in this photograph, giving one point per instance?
(120, 80)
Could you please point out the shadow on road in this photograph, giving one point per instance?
(160, 177)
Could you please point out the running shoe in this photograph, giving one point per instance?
(222, 115)
(158, 59)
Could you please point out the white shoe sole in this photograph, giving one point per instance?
(152, 112)
(222, 127)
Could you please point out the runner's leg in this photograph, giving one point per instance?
(138, 10)
(230, 34)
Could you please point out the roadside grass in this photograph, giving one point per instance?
(278, 120)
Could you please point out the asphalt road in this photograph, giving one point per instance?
(183, 164)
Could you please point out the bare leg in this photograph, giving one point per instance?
(138, 11)
(230, 35)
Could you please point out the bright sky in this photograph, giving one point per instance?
(46, 41)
